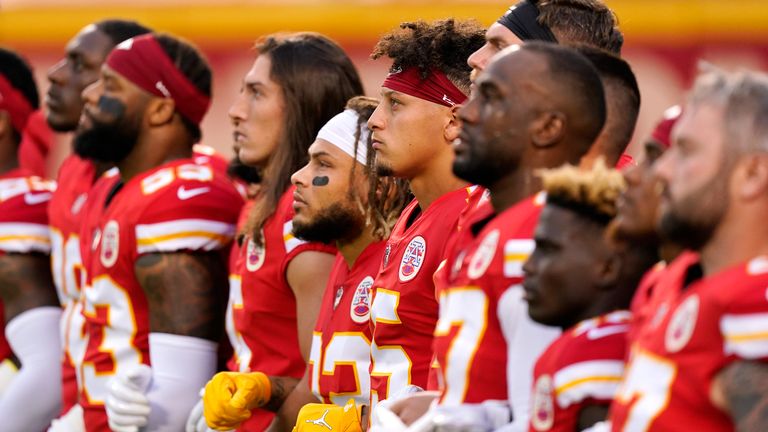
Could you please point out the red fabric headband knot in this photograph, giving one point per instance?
(435, 88)
(13, 101)
(142, 61)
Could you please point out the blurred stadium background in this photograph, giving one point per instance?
(664, 38)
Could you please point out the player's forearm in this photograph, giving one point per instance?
(181, 365)
(743, 386)
(33, 398)
(281, 390)
(26, 283)
(286, 415)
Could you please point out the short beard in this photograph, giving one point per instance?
(107, 142)
(384, 170)
(692, 222)
(333, 224)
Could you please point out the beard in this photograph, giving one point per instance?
(692, 221)
(109, 142)
(333, 224)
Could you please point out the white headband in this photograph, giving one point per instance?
(340, 131)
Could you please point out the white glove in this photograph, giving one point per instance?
(127, 405)
(603, 426)
(196, 420)
(72, 421)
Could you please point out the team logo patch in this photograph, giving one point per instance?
(413, 258)
(483, 255)
(254, 254)
(110, 243)
(543, 414)
(337, 299)
(360, 309)
(681, 325)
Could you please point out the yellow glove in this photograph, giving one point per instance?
(230, 396)
(329, 417)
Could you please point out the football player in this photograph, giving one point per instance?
(68, 78)
(297, 83)
(588, 22)
(339, 198)
(700, 360)
(577, 376)
(30, 308)
(413, 127)
(530, 111)
(153, 237)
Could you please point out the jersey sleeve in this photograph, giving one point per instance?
(744, 320)
(188, 216)
(24, 215)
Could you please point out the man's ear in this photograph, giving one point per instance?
(453, 127)
(548, 129)
(610, 270)
(752, 177)
(160, 111)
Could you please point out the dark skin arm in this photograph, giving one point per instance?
(591, 414)
(26, 283)
(286, 416)
(741, 389)
(183, 293)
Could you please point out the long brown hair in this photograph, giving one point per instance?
(317, 78)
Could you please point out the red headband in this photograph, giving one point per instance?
(435, 88)
(663, 131)
(142, 61)
(13, 101)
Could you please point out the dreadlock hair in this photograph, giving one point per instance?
(317, 78)
(591, 193)
(195, 68)
(387, 196)
(19, 74)
(582, 21)
(119, 30)
(444, 45)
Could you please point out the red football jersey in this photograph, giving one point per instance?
(697, 330)
(639, 307)
(179, 206)
(24, 199)
(341, 343)
(582, 367)
(404, 310)
(483, 315)
(76, 177)
(261, 312)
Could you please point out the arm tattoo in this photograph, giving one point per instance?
(26, 283)
(281, 388)
(745, 388)
(186, 293)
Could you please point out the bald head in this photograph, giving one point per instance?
(537, 105)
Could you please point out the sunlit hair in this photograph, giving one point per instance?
(592, 192)
(387, 196)
(444, 45)
(743, 97)
(316, 78)
(582, 21)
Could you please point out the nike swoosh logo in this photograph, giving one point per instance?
(35, 199)
(601, 332)
(185, 194)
